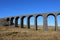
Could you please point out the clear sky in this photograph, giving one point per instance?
(23, 7)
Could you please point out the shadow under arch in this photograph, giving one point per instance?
(22, 21)
(39, 19)
(12, 20)
(31, 21)
(16, 21)
(7, 19)
(51, 22)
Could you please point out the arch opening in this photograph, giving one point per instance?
(31, 21)
(12, 21)
(24, 22)
(17, 22)
(51, 22)
(40, 22)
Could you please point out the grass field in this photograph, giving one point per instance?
(12, 33)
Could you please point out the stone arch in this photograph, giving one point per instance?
(30, 16)
(30, 20)
(51, 14)
(16, 21)
(51, 28)
(39, 26)
(11, 20)
(38, 15)
(22, 21)
(23, 17)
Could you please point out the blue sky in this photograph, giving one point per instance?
(23, 7)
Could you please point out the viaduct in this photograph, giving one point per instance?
(44, 15)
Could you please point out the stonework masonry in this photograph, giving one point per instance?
(9, 20)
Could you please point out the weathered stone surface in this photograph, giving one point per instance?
(9, 20)
(4, 22)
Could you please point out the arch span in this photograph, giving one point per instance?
(22, 20)
(35, 20)
(51, 22)
(16, 21)
(28, 21)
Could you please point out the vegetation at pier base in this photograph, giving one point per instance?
(13, 33)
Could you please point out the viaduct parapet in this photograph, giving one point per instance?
(9, 20)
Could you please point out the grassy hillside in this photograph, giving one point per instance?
(12, 33)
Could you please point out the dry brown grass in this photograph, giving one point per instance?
(12, 33)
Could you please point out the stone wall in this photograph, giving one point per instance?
(3, 22)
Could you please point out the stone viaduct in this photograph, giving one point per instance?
(45, 15)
